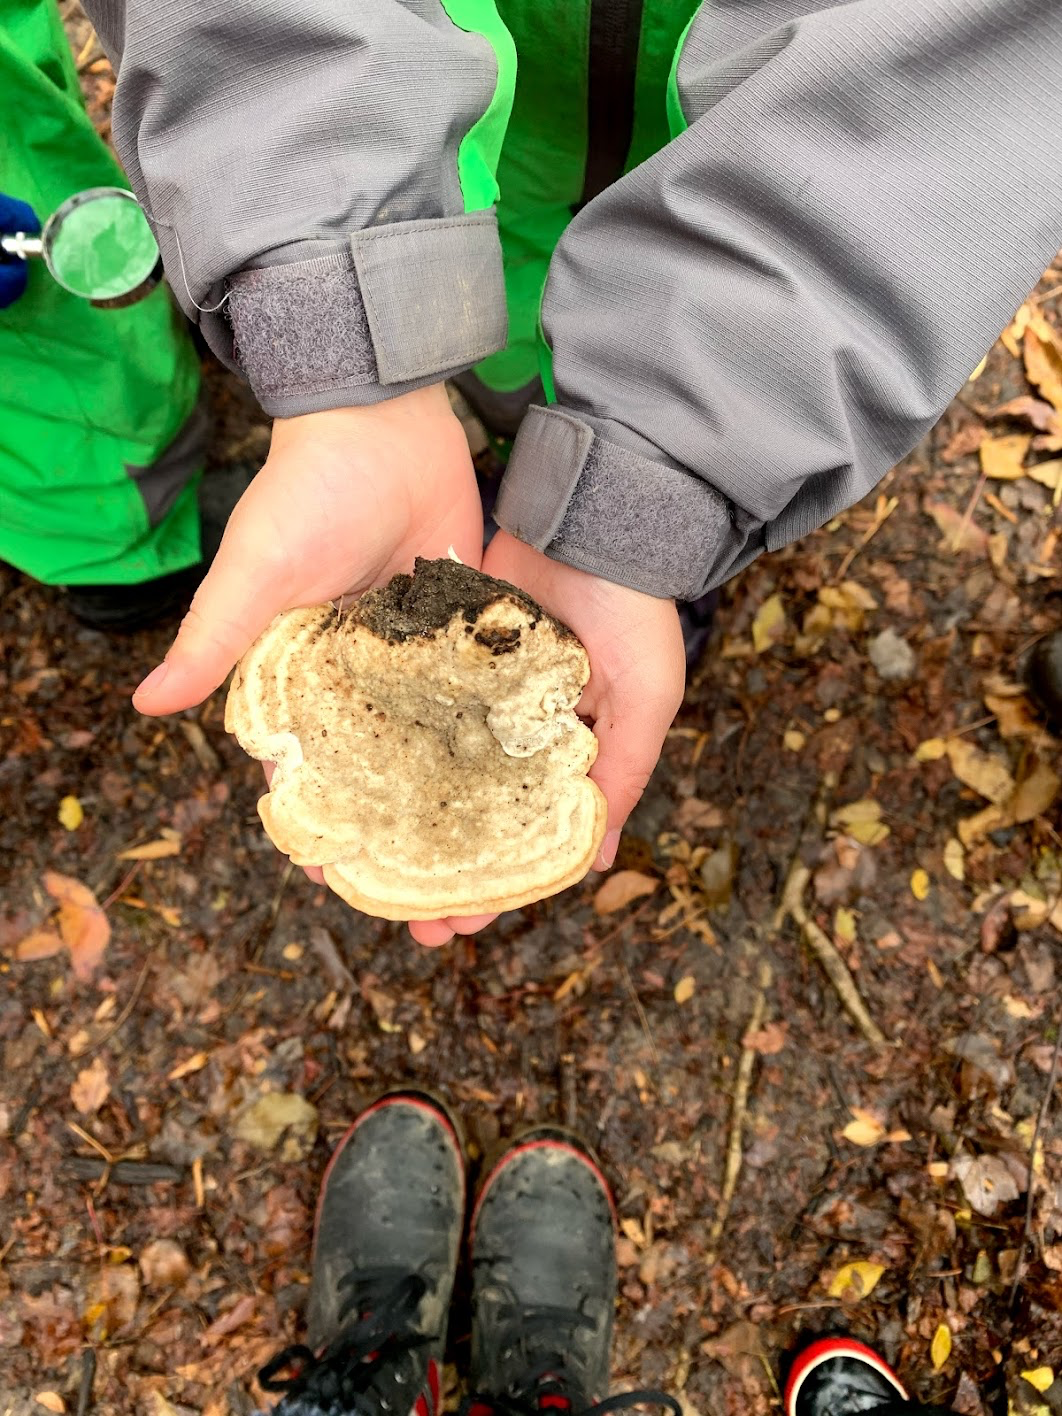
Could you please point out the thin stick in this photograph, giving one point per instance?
(732, 1167)
(124, 1014)
(88, 1377)
(1045, 1106)
(967, 516)
(882, 512)
(641, 1011)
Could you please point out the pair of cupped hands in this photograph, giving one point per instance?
(350, 497)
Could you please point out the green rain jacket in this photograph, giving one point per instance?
(778, 235)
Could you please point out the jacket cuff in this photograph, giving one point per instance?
(601, 507)
(401, 306)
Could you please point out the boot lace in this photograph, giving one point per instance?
(545, 1380)
(361, 1368)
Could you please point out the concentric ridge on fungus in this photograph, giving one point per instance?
(428, 753)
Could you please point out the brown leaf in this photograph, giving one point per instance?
(986, 774)
(40, 944)
(84, 927)
(697, 815)
(621, 888)
(242, 1311)
(154, 850)
(957, 536)
(1034, 794)
(1043, 360)
(92, 1088)
(1002, 458)
(1034, 411)
(962, 443)
(739, 1350)
(768, 1040)
(164, 1264)
(986, 1182)
(1014, 716)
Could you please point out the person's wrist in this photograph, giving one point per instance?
(428, 403)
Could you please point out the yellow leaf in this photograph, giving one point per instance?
(862, 821)
(855, 1281)
(1002, 458)
(769, 625)
(1043, 360)
(91, 1089)
(153, 850)
(195, 1063)
(1048, 474)
(844, 925)
(978, 371)
(1016, 1007)
(71, 814)
(620, 888)
(919, 884)
(51, 1401)
(986, 774)
(864, 1131)
(955, 859)
(940, 1347)
(867, 833)
(793, 739)
(930, 750)
(684, 988)
(1034, 795)
(1039, 1377)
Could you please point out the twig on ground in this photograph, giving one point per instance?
(88, 1378)
(732, 1166)
(123, 1172)
(967, 516)
(629, 982)
(124, 1014)
(1041, 1117)
(882, 511)
(824, 949)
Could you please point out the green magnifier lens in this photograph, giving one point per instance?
(99, 245)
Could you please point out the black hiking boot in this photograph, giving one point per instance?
(544, 1284)
(839, 1376)
(388, 1232)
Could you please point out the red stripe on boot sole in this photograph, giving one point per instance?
(821, 1351)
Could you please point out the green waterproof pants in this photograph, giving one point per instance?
(101, 433)
(591, 103)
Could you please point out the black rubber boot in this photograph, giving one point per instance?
(388, 1233)
(544, 1284)
(839, 1376)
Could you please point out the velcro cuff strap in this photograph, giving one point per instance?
(604, 509)
(403, 303)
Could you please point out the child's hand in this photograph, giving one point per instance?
(345, 500)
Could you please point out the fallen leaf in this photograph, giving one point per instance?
(955, 859)
(862, 821)
(855, 1281)
(417, 1044)
(684, 989)
(978, 371)
(930, 750)
(1048, 474)
(112, 1301)
(793, 740)
(864, 1130)
(769, 625)
(1014, 715)
(957, 533)
(1002, 458)
(1011, 336)
(697, 815)
(716, 875)
(71, 813)
(276, 1115)
(1040, 1377)
(241, 1312)
(974, 828)
(919, 884)
(844, 925)
(83, 926)
(91, 1089)
(1042, 353)
(195, 1063)
(986, 1182)
(987, 775)
(164, 1264)
(940, 1347)
(51, 1401)
(1034, 794)
(621, 888)
(153, 850)
(768, 1040)
(41, 944)
(1036, 413)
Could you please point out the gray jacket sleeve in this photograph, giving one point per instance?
(298, 160)
(750, 328)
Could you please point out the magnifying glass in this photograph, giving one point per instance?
(97, 245)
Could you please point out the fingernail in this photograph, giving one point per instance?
(609, 847)
(153, 680)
